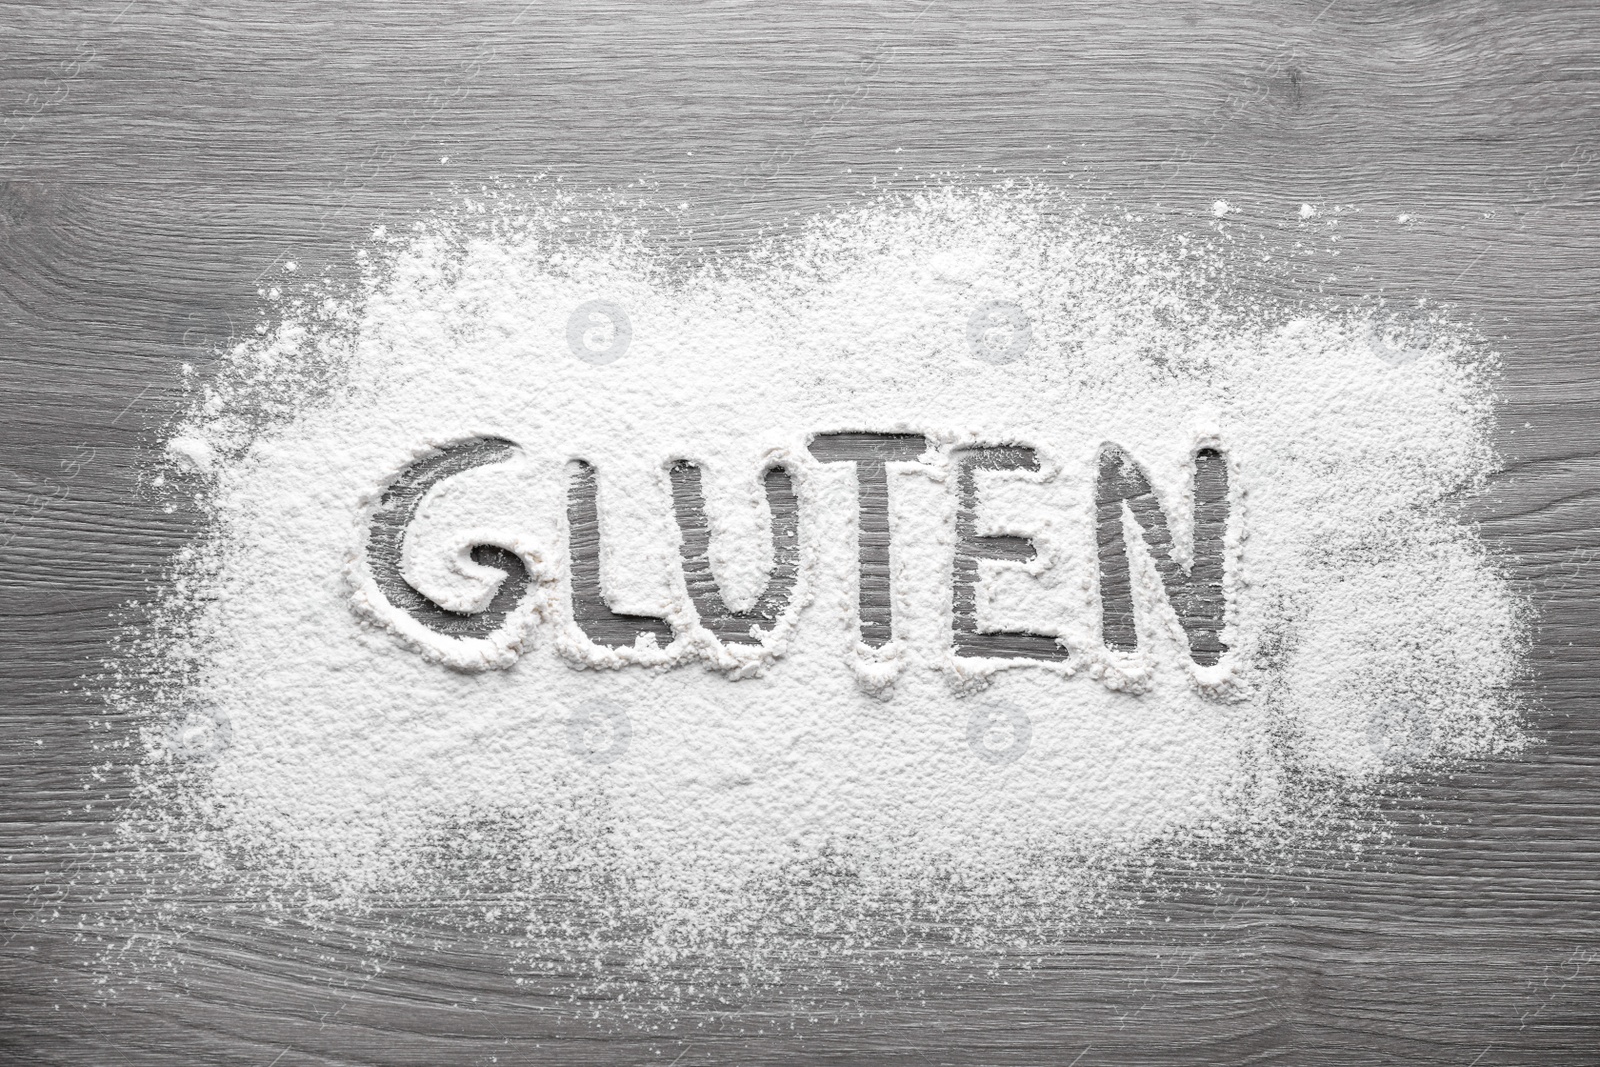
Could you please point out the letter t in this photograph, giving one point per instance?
(871, 452)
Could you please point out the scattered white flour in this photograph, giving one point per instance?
(312, 738)
(194, 453)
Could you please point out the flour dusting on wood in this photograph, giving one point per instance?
(315, 740)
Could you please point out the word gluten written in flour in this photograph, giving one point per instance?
(1125, 505)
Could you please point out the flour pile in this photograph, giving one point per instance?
(313, 737)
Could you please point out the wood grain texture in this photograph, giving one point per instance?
(161, 160)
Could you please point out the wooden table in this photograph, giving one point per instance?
(161, 161)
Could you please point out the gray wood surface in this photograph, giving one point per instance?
(160, 159)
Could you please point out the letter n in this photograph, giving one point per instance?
(1194, 589)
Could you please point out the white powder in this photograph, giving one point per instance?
(318, 737)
